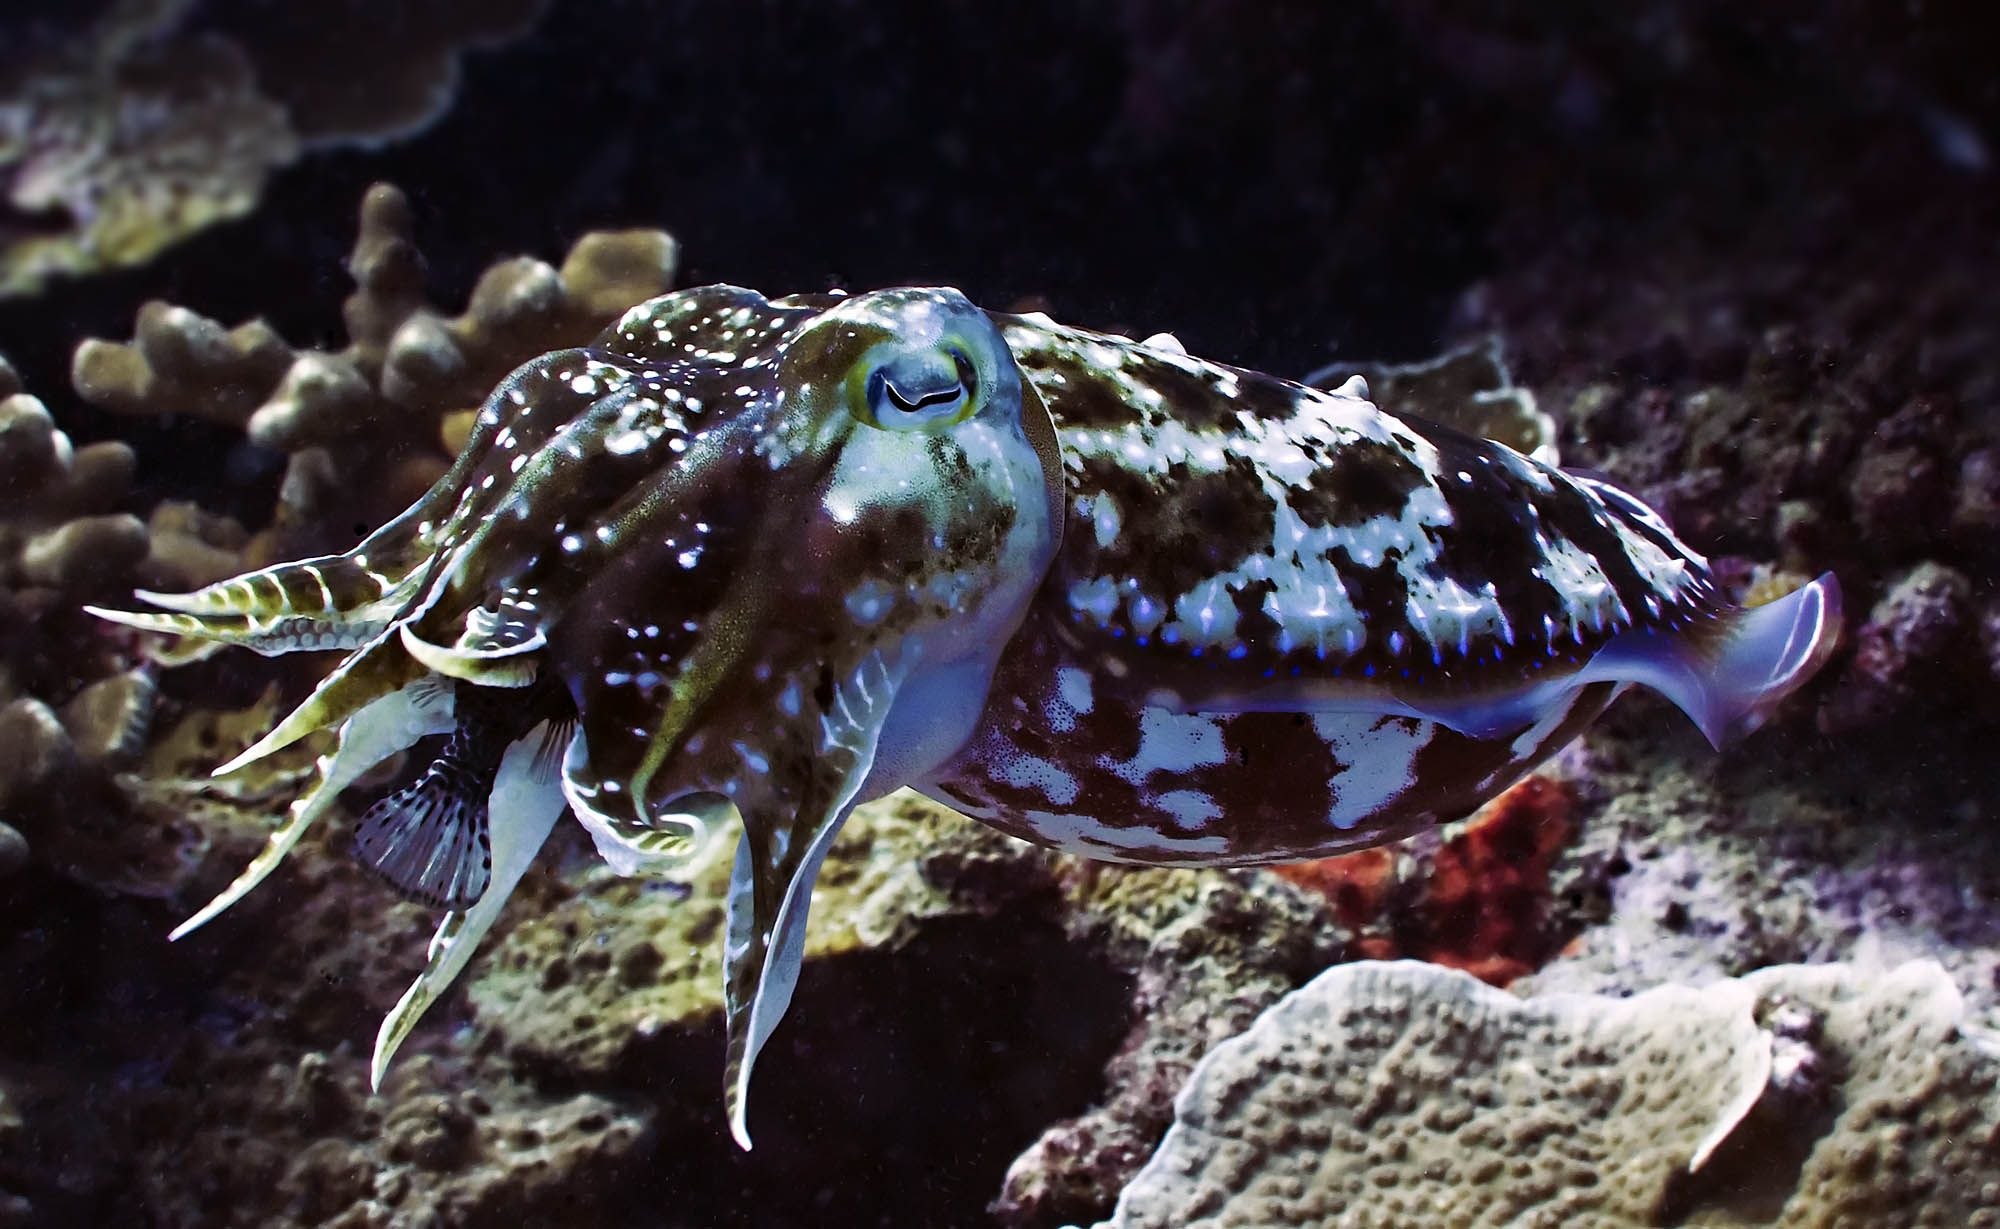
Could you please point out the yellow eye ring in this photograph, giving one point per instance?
(917, 391)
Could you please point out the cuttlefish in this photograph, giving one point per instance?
(761, 560)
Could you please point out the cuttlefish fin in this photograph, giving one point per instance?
(430, 839)
(1728, 674)
(524, 805)
(770, 889)
(377, 731)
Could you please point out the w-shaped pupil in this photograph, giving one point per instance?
(910, 405)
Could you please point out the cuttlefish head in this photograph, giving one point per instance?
(760, 557)
(810, 616)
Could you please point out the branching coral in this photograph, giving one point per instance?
(62, 532)
(365, 429)
(377, 408)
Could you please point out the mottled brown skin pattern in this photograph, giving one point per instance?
(1194, 487)
(1275, 787)
(1180, 526)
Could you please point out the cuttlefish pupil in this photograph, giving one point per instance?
(751, 561)
(922, 391)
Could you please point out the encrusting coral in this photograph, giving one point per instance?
(1475, 896)
(1401, 1093)
(127, 132)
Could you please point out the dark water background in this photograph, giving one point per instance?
(1276, 183)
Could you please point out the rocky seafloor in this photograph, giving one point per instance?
(1742, 263)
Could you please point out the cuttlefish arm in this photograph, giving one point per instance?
(527, 800)
(777, 862)
(380, 729)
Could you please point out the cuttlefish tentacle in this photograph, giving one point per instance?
(526, 802)
(376, 731)
(494, 648)
(344, 601)
(275, 619)
(632, 843)
(777, 860)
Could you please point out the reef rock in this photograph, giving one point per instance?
(604, 986)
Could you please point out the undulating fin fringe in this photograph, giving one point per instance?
(1729, 673)
(378, 731)
(1769, 652)
(429, 839)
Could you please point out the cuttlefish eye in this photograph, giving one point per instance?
(911, 390)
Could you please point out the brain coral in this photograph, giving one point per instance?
(1389, 1094)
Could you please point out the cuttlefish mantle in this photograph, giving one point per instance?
(752, 562)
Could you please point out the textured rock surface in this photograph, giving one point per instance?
(599, 984)
(1910, 643)
(1691, 871)
(1469, 388)
(1401, 1094)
